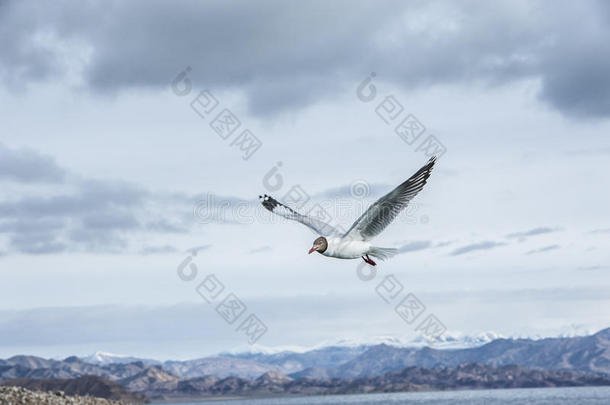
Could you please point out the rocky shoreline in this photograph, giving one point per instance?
(22, 396)
(89, 385)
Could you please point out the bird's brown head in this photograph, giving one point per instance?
(320, 245)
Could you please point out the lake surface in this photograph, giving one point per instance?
(534, 396)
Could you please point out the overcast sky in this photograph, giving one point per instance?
(114, 169)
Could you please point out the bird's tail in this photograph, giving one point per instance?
(382, 253)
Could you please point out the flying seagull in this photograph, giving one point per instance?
(355, 242)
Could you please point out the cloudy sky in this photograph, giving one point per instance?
(116, 169)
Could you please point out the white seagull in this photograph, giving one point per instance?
(355, 242)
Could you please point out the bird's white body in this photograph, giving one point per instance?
(343, 248)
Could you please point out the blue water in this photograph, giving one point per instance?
(533, 396)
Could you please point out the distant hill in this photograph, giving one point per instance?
(151, 378)
(220, 367)
(464, 376)
(289, 362)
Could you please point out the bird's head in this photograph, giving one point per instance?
(320, 245)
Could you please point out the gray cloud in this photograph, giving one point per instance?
(358, 189)
(96, 240)
(153, 250)
(33, 236)
(87, 215)
(591, 268)
(110, 220)
(23, 58)
(589, 151)
(260, 250)
(415, 246)
(543, 249)
(164, 226)
(28, 225)
(598, 231)
(87, 220)
(476, 246)
(90, 218)
(36, 243)
(290, 55)
(197, 249)
(28, 166)
(92, 196)
(532, 232)
(580, 85)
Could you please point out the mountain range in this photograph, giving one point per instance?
(578, 355)
(159, 386)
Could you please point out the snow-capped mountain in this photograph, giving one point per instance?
(446, 341)
(375, 356)
(575, 330)
(103, 358)
(455, 340)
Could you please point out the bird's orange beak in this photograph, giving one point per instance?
(313, 249)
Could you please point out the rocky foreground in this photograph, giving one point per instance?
(21, 396)
(88, 385)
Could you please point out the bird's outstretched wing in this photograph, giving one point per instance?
(382, 213)
(320, 227)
